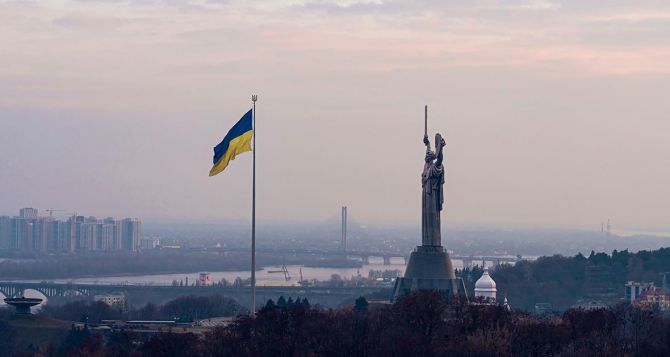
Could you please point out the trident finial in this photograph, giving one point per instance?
(254, 97)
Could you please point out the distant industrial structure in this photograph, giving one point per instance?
(606, 230)
(31, 233)
(343, 242)
(22, 304)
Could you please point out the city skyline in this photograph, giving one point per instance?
(334, 177)
(553, 111)
(30, 232)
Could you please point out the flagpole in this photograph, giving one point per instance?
(252, 310)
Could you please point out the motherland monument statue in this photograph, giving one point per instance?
(429, 266)
(432, 196)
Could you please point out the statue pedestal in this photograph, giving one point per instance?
(429, 268)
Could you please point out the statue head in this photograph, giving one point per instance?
(430, 156)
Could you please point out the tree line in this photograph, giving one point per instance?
(421, 324)
(563, 281)
(182, 309)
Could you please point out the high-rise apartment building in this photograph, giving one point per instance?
(112, 233)
(67, 236)
(22, 234)
(107, 236)
(87, 238)
(79, 233)
(28, 212)
(40, 234)
(5, 232)
(53, 235)
(29, 232)
(130, 234)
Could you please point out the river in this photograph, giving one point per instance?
(264, 277)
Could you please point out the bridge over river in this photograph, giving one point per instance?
(140, 294)
(365, 256)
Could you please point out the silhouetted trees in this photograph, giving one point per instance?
(182, 309)
(421, 324)
(172, 345)
(562, 281)
(82, 311)
(428, 324)
(190, 308)
(121, 344)
(361, 304)
(7, 338)
(79, 342)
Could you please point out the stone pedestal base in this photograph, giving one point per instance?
(429, 268)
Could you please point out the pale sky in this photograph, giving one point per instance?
(555, 112)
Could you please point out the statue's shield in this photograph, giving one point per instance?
(438, 141)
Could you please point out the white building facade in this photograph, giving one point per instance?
(485, 287)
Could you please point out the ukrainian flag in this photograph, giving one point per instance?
(237, 141)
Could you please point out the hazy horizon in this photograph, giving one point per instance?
(554, 112)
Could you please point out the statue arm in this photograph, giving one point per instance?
(440, 155)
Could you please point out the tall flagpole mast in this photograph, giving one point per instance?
(252, 310)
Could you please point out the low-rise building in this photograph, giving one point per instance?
(647, 295)
(114, 300)
(204, 279)
(588, 305)
(147, 243)
(654, 298)
(636, 289)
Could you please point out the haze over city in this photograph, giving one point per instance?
(554, 112)
(192, 178)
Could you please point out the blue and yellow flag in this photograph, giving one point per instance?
(237, 141)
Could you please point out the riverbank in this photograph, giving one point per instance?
(264, 277)
(159, 262)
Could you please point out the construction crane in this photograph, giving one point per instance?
(283, 270)
(302, 280)
(51, 211)
(72, 215)
(609, 228)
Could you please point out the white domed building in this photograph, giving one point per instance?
(485, 287)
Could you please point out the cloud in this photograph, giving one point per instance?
(514, 82)
(85, 21)
(540, 5)
(633, 17)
